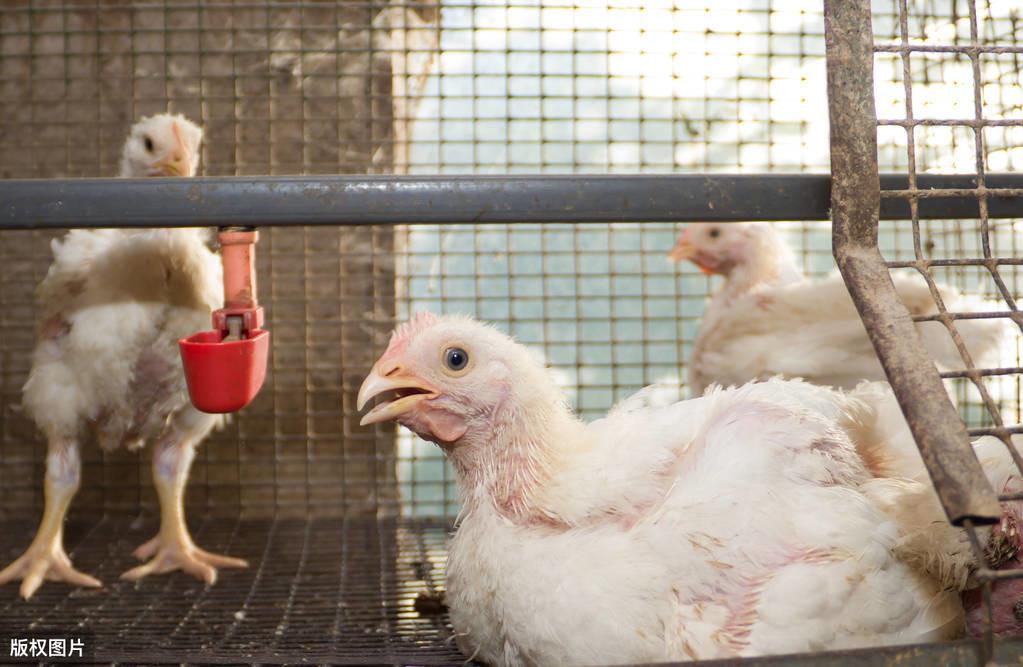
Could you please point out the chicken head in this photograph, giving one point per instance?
(161, 145)
(446, 379)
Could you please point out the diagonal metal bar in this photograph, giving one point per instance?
(940, 434)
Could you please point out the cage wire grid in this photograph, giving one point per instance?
(335, 87)
(958, 69)
(293, 483)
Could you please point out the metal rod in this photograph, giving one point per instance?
(937, 428)
(345, 200)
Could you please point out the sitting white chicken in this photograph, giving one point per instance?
(767, 319)
(741, 523)
(112, 308)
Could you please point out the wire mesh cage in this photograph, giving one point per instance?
(344, 524)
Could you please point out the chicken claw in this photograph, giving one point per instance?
(45, 561)
(179, 553)
(45, 558)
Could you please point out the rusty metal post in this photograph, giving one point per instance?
(855, 198)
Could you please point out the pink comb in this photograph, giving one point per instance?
(408, 330)
(405, 332)
(177, 135)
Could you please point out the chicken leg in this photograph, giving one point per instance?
(45, 558)
(173, 548)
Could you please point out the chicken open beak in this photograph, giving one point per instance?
(409, 391)
(683, 248)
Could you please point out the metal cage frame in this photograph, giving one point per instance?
(855, 197)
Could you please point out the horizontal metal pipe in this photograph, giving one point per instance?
(966, 261)
(983, 372)
(976, 315)
(997, 431)
(363, 200)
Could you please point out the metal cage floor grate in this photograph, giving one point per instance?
(320, 590)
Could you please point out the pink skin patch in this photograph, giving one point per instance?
(152, 380)
(1006, 594)
(742, 603)
(54, 328)
(1006, 608)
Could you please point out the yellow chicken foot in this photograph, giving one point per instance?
(173, 548)
(45, 558)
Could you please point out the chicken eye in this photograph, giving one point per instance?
(456, 358)
(148, 143)
(714, 232)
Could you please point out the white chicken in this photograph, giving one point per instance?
(767, 319)
(741, 523)
(112, 308)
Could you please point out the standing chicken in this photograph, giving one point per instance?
(741, 523)
(767, 319)
(113, 306)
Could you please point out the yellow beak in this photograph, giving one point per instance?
(410, 391)
(175, 164)
(682, 250)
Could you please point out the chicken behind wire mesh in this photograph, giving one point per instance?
(773, 518)
(112, 307)
(768, 319)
